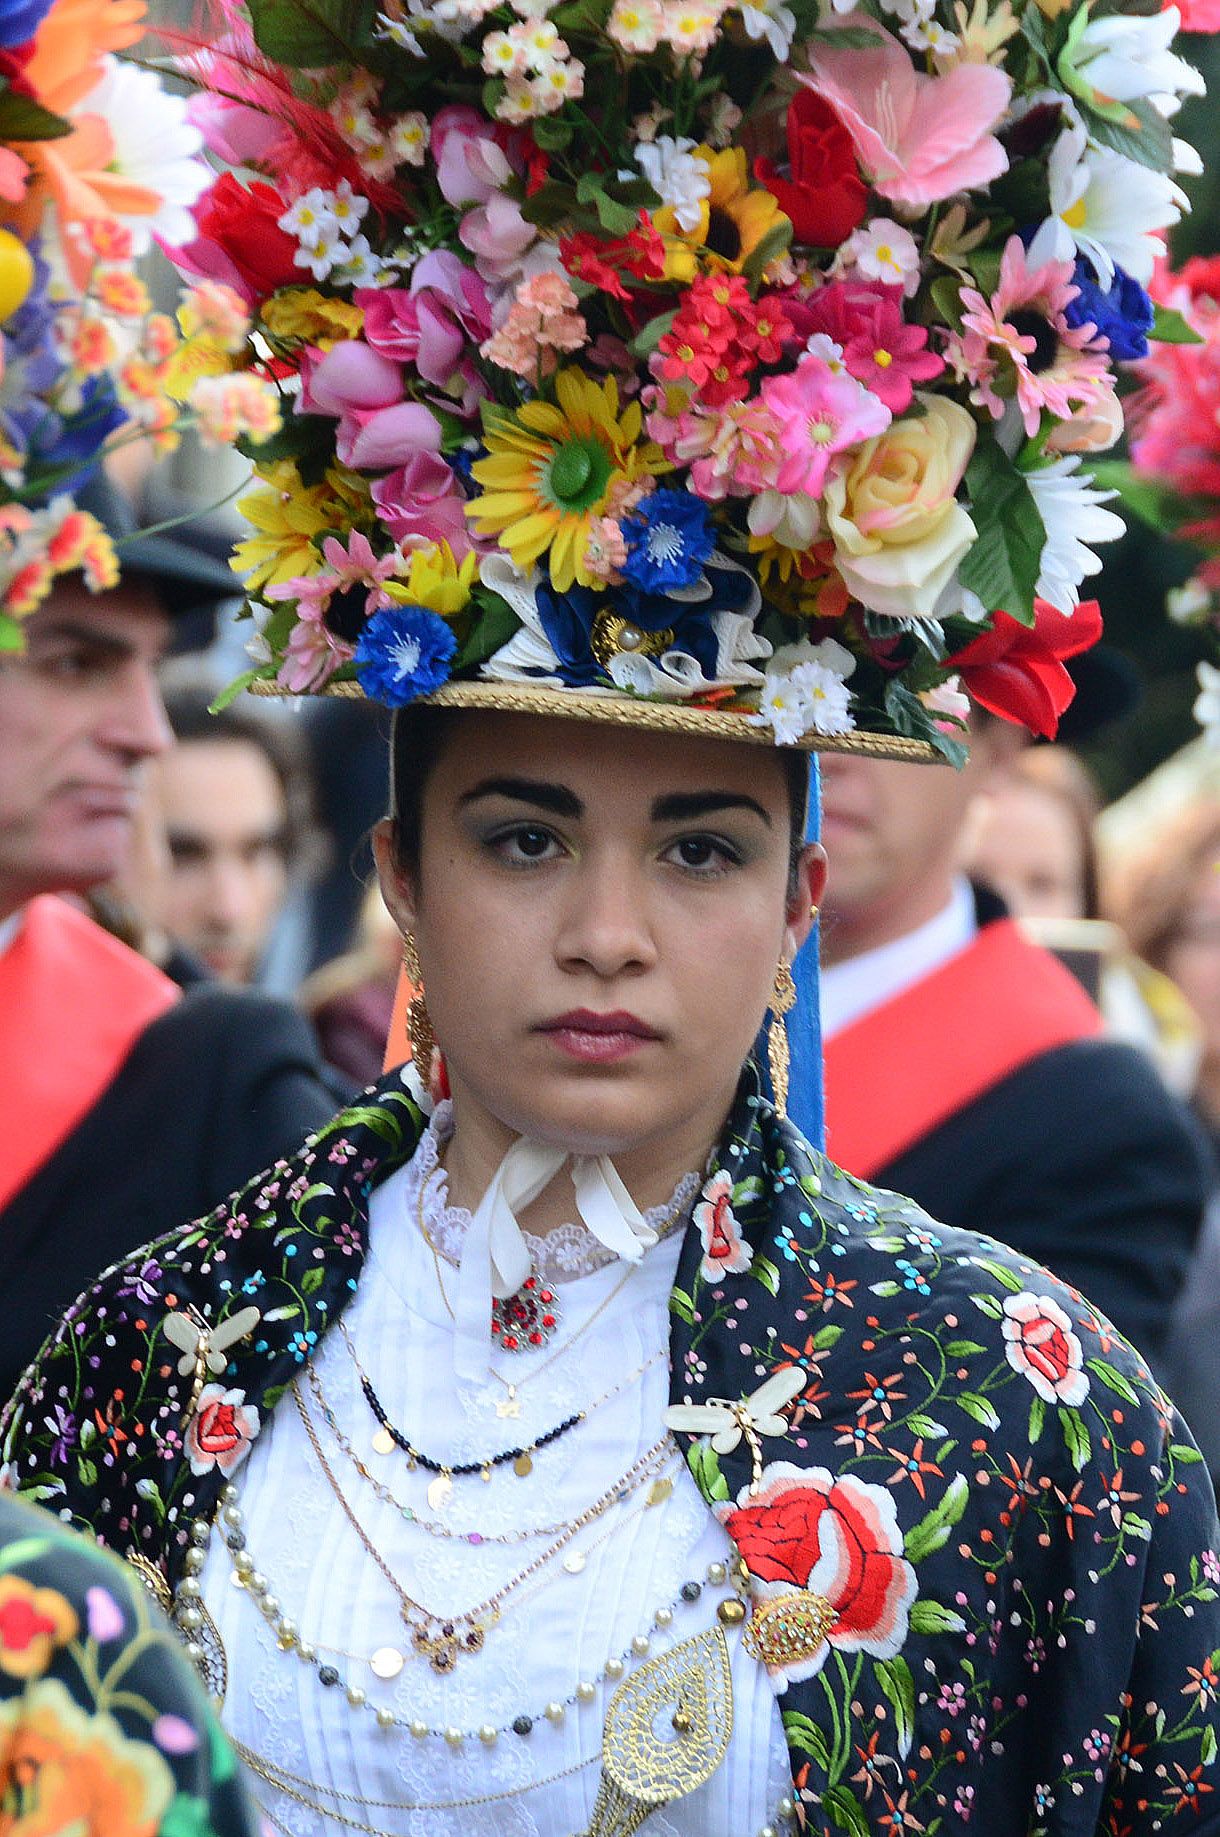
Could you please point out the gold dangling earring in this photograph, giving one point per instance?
(783, 995)
(419, 1021)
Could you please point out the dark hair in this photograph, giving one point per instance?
(188, 694)
(418, 737)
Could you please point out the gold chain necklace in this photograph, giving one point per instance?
(444, 1638)
(432, 1526)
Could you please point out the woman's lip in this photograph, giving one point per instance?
(618, 1024)
(596, 1047)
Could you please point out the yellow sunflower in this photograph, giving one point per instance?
(733, 219)
(549, 468)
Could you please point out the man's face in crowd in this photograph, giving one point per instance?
(80, 714)
(226, 818)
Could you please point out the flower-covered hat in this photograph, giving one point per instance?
(729, 366)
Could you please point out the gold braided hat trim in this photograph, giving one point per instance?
(632, 711)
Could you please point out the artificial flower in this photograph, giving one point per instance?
(154, 149)
(1073, 515)
(884, 353)
(636, 25)
(542, 321)
(228, 408)
(238, 239)
(287, 515)
(1206, 708)
(1019, 343)
(733, 219)
(822, 192)
(549, 467)
(818, 415)
(1120, 58)
(437, 578)
(420, 501)
(304, 314)
(898, 529)
(1106, 208)
(1018, 672)
(402, 653)
(805, 689)
(882, 250)
(19, 21)
(312, 653)
(1121, 313)
(680, 175)
(919, 139)
(668, 538)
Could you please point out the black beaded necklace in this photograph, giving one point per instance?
(522, 1458)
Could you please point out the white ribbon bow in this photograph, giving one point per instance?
(495, 1260)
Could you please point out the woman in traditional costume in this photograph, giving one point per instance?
(560, 1443)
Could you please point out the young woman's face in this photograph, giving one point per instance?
(599, 915)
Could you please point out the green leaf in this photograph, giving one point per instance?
(649, 336)
(681, 1306)
(962, 1348)
(846, 38)
(311, 34)
(1003, 1275)
(12, 638)
(1075, 1438)
(704, 1464)
(978, 1408)
(988, 1305)
(806, 1737)
(313, 1279)
(933, 1528)
(552, 133)
(1149, 142)
(827, 1336)
(946, 297)
(1037, 1418)
(930, 1617)
(86, 1471)
(241, 683)
(765, 1272)
(846, 1812)
(1004, 564)
(21, 118)
(894, 1677)
(1170, 327)
(1113, 1380)
(188, 1816)
(496, 624)
(1184, 1454)
(1208, 1745)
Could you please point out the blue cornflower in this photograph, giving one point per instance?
(669, 537)
(402, 653)
(20, 19)
(1122, 312)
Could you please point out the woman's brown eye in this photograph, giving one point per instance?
(696, 851)
(532, 842)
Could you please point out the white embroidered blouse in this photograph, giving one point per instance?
(556, 1631)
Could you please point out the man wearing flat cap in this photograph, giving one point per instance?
(126, 1106)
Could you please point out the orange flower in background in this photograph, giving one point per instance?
(69, 1770)
(33, 1622)
(70, 45)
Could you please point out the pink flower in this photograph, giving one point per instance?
(1020, 342)
(357, 566)
(918, 138)
(497, 235)
(541, 321)
(13, 174)
(237, 134)
(420, 501)
(221, 1430)
(374, 439)
(466, 156)
(889, 356)
(105, 1616)
(818, 415)
(732, 451)
(1042, 1346)
(725, 1251)
(311, 656)
(350, 376)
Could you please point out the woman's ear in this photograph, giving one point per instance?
(397, 885)
(805, 898)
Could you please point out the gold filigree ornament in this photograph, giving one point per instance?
(789, 1628)
(667, 1730)
(190, 1619)
(612, 635)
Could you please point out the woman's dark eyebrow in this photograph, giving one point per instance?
(683, 806)
(555, 798)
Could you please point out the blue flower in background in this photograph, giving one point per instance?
(668, 539)
(20, 19)
(1122, 313)
(402, 653)
(68, 446)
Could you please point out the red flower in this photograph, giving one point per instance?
(824, 195)
(603, 263)
(240, 240)
(221, 1430)
(1017, 671)
(838, 1537)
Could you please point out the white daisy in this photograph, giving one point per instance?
(310, 218)
(805, 687)
(330, 251)
(360, 267)
(773, 21)
(1104, 207)
(679, 179)
(348, 208)
(155, 147)
(1073, 516)
(1124, 59)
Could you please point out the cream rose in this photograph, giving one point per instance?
(898, 530)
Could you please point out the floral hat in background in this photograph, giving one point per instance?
(729, 367)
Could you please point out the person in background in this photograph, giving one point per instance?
(127, 1106)
(964, 1063)
(351, 999)
(105, 1730)
(236, 804)
(1031, 839)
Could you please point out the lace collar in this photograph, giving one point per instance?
(562, 1255)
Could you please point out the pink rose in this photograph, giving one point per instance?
(374, 439)
(351, 376)
(460, 137)
(420, 500)
(221, 1430)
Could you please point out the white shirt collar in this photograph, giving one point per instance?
(856, 986)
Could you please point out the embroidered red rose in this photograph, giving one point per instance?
(221, 1430)
(839, 1538)
(824, 195)
(1043, 1347)
(725, 1251)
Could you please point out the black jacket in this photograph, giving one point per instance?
(215, 1090)
(1082, 1160)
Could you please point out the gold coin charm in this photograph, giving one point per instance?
(386, 1662)
(659, 1492)
(383, 1442)
(523, 1466)
(440, 1491)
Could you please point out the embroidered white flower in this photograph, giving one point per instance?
(1041, 1344)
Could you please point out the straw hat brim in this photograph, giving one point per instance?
(654, 717)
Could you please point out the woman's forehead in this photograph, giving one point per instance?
(605, 765)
